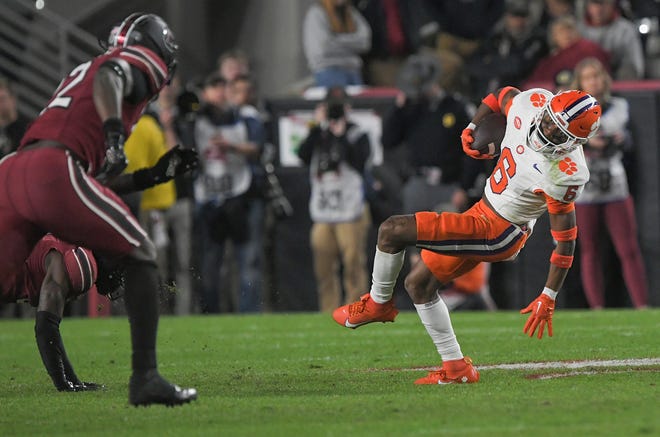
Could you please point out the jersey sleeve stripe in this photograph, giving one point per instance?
(155, 61)
(86, 268)
(141, 58)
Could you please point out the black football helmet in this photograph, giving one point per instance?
(150, 31)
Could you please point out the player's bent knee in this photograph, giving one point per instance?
(397, 232)
(418, 289)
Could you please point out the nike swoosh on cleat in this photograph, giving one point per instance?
(535, 165)
(353, 325)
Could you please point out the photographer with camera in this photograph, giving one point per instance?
(230, 139)
(336, 151)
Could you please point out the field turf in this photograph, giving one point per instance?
(303, 375)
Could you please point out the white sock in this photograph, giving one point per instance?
(435, 318)
(386, 270)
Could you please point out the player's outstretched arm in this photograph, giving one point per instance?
(564, 231)
(52, 298)
(176, 161)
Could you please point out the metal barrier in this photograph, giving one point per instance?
(37, 49)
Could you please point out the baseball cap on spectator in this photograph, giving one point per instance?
(418, 74)
(563, 79)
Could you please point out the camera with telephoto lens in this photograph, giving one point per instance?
(335, 110)
(335, 99)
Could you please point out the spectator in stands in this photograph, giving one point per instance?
(464, 23)
(429, 121)
(227, 144)
(568, 47)
(336, 151)
(511, 52)
(233, 63)
(394, 29)
(334, 37)
(179, 216)
(606, 200)
(143, 148)
(554, 9)
(462, 26)
(12, 124)
(240, 95)
(604, 24)
(151, 138)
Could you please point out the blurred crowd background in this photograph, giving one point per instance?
(317, 119)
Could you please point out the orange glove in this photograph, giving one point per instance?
(467, 140)
(541, 310)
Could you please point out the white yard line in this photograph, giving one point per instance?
(635, 362)
(582, 364)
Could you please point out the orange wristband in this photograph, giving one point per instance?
(491, 101)
(565, 235)
(561, 261)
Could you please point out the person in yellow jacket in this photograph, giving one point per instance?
(144, 146)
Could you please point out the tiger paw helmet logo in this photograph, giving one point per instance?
(538, 100)
(568, 166)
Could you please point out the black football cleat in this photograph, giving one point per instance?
(151, 388)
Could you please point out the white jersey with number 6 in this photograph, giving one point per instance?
(517, 185)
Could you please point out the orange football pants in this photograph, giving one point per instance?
(453, 244)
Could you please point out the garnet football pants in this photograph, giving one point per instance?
(45, 190)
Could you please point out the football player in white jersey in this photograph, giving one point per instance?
(541, 167)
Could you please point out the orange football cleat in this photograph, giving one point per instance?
(364, 311)
(450, 375)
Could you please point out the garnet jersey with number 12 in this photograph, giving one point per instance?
(70, 117)
(516, 186)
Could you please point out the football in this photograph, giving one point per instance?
(489, 133)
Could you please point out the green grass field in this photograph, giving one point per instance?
(301, 374)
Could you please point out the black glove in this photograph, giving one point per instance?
(110, 279)
(173, 163)
(115, 159)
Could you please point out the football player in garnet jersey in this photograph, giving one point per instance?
(54, 273)
(66, 175)
(57, 272)
(541, 167)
